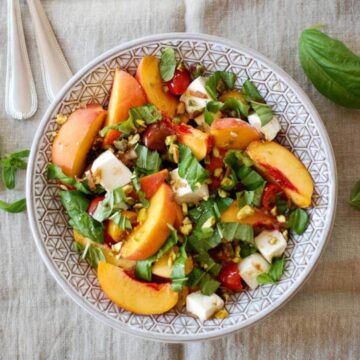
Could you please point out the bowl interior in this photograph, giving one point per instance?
(302, 132)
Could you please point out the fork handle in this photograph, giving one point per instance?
(55, 70)
(20, 92)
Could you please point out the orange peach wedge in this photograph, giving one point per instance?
(133, 295)
(281, 166)
(75, 138)
(150, 183)
(147, 238)
(232, 133)
(148, 75)
(126, 93)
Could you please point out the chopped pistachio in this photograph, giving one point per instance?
(116, 247)
(138, 206)
(165, 88)
(236, 260)
(133, 139)
(128, 189)
(184, 208)
(121, 145)
(244, 212)
(187, 220)
(233, 134)
(285, 234)
(142, 215)
(281, 219)
(216, 152)
(209, 222)
(170, 139)
(174, 152)
(221, 314)
(226, 182)
(140, 122)
(222, 193)
(61, 119)
(218, 172)
(186, 229)
(180, 108)
(273, 211)
(273, 241)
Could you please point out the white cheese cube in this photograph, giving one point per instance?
(270, 130)
(203, 306)
(251, 267)
(271, 244)
(183, 191)
(195, 96)
(110, 172)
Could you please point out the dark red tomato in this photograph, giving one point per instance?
(108, 240)
(230, 278)
(214, 163)
(155, 134)
(179, 83)
(269, 196)
(93, 205)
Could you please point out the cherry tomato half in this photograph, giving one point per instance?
(269, 196)
(155, 134)
(230, 278)
(93, 205)
(179, 83)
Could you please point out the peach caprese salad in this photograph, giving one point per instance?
(177, 192)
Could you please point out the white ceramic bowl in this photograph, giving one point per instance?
(302, 132)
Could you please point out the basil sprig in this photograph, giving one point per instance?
(190, 168)
(274, 274)
(167, 64)
(143, 267)
(148, 161)
(219, 81)
(147, 113)
(14, 207)
(332, 67)
(355, 196)
(298, 220)
(10, 164)
(76, 204)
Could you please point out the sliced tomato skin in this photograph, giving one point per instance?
(94, 204)
(230, 278)
(179, 83)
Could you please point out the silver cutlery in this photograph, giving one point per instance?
(20, 93)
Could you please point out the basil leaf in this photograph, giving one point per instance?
(190, 168)
(178, 275)
(236, 108)
(55, 172)
(114, 200)
(249, 177)
(274, 274)
(147, 162)
(200, 240)
(167, 64)
(143, 267)
(237, 231)
(236, 158)
(208, 263)
(20, 154)
(355, 196)
(298, 221)
(251, 92)
(90, 252)
(246, 249)
(121, 221)
(263, 111)
(212, 107)
(9, 176)
(14, 207)
(76, 205)
(332, 67)
(281, 204)
(250, 197)
(147, 113)
(200, 278)
(137, 186)
(219, 81)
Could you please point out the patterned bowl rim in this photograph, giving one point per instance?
(170, 337)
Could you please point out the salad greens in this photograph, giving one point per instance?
(298, 220)
(355, 196)
(147, 162)
(219, 81)
(14, 207)
(90, 252)
(274, 274)
(167, 64)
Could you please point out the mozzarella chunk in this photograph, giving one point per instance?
(271, 244)
(110, 172)
(183, 191)
(270, 130)
(196, 97)
(203, 306)
(251, 267)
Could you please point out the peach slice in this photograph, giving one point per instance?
(259, 218)
(232, 133)
(147, 238)
(126, 93)
(148, 75)
(133, 295)
(281, 166)
(150, 183)
(109, 255)
(115, 231)
(164, 266)
(75, 138)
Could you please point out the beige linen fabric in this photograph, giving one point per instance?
(37, 319)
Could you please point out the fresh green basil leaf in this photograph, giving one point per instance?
(249, 177)
(178, 274)
(298, 220)
(200, 240)
(263, 111)
(236, 158)
(9, 176)
(235, 108)
(251, 92)
(114, 201)
(121, 220)
(264, 278)
(332, 67)
(137, 187)
(237, 231)
(20, 154)
(190, 168)
(281, 204)
(212, 107)
(143, 267)
(10, 163)
(208, 263)
(277, 268)
(202, 279)
(55, 172)
(74, 201)
(245, 198)
(246, 249)
(229, 182)
(167, 64)
(147, 162)
(90, 252)
(14, 207)
(355, 196)
(220, 81)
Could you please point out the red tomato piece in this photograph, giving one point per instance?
(269, 196)
(230, 278)
(93, 205)
(179, 83)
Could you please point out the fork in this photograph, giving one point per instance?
(20, 93)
